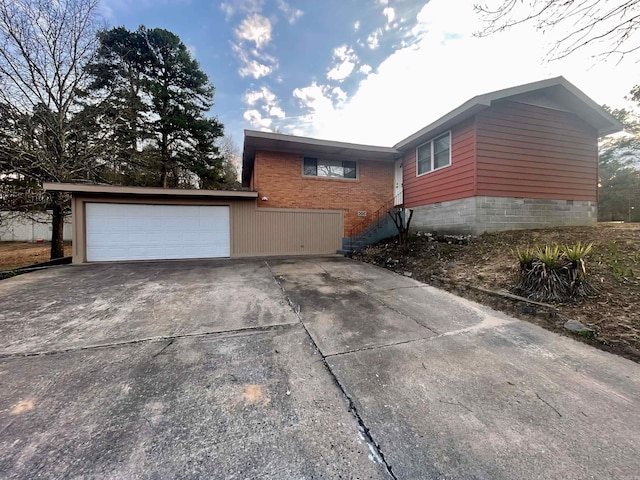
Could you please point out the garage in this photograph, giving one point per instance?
(112, 223)
(117, 231)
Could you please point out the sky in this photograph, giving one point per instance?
(361, 71)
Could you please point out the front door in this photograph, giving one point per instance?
(397, 183)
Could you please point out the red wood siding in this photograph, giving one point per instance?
(535, 152)
(449, 183)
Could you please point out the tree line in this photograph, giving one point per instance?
(83, 103)
(619, 169)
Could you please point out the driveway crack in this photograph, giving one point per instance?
(137, 341)
(457, 404)
(376, 347)
(548, 404)
(373, 445)
(164, 348)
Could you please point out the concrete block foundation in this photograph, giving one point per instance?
(476, 215)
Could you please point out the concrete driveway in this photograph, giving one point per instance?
(295, 368)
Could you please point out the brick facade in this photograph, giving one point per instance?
(278, 176)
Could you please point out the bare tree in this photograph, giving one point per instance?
(231, 160)
(402, 223)
(609, 25)
(45, 46)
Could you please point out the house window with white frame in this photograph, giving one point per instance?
(316, 167)
(434, 154)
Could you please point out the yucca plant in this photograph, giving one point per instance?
(576, 255)
(578, 251)
(525, 256)
(553, 273)
(550, 255)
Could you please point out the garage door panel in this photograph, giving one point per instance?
(152, 232)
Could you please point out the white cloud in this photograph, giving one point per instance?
(321, 103)
(277, 112)
(340, 72)
(389, 13)
(346, 61)
(263, 95)
(254, 69)
(461, 66)
(255, 28)
(255, 118)
(366, 69)
(291, 13)
(250, 67)
(227, 9)
(383, 2)
(356, 26)
(267, 101)
(230, 8)
(340, 95)
(315, 98)
(373, 40)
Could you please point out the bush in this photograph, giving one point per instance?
(553, 273)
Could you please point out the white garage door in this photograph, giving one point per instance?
(153, 232)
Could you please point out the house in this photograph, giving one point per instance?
(523, 157)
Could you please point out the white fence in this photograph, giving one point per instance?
(33, 227)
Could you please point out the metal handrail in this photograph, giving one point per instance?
(376, 219)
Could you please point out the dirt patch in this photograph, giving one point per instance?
(23, 254)
(460, 264)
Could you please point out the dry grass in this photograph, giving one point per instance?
(23, 254)
(487, 261)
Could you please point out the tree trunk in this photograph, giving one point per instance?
(57, 228)
(399, 217)
(164, 176)
(164, 158)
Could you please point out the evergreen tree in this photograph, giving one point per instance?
(158, 98)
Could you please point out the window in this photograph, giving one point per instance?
(434, 154)
(314, 167)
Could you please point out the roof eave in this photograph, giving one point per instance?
(481, 102)
(267, 141)
(80, 188)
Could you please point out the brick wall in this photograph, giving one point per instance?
(278, 176)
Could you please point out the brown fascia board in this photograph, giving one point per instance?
(76, 188)
(267, 141)
(586, 108)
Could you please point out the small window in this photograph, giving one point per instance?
(310, 166)
(434, 154)
(314, 167)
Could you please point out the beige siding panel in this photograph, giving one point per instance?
(254, 232)
(289, 232)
